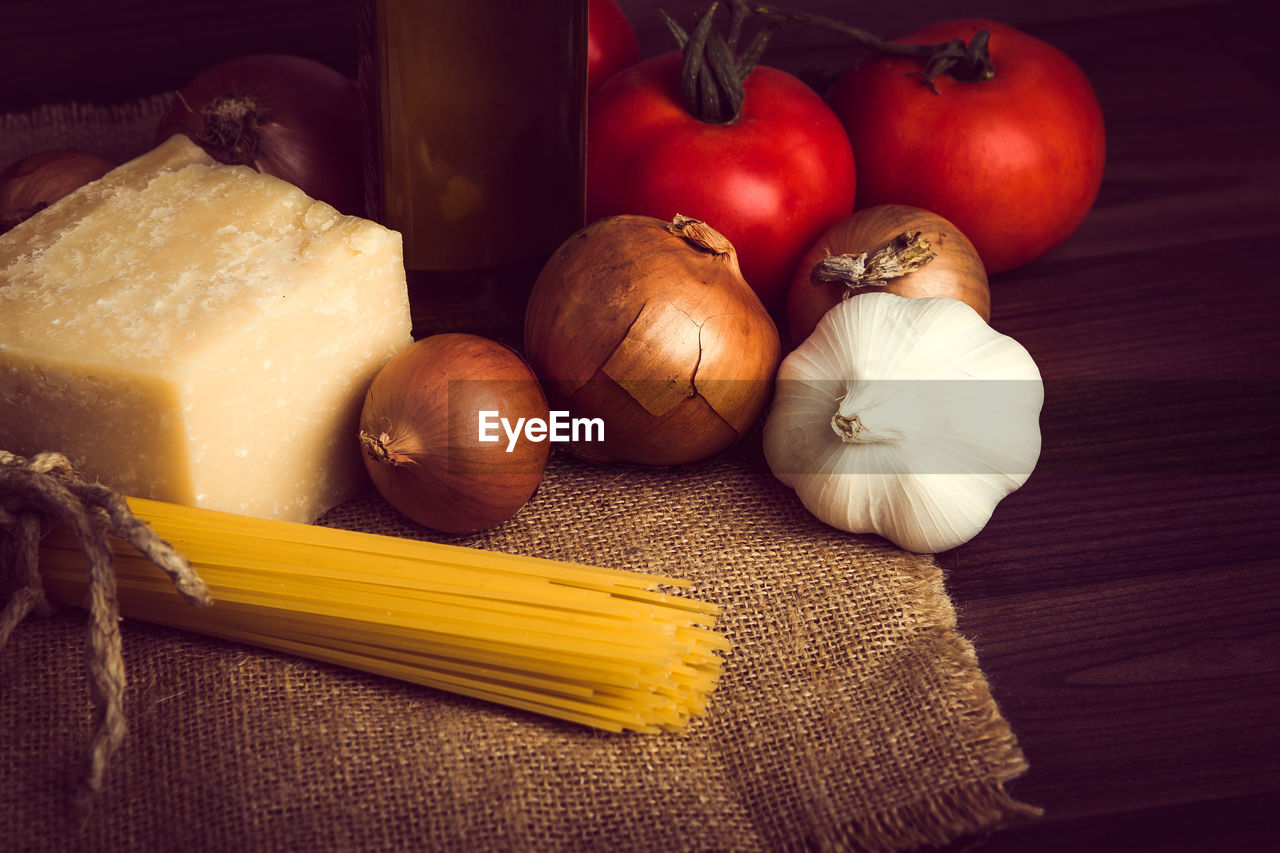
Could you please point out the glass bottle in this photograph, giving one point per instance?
(477, 113)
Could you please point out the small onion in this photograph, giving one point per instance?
(650, 327)
(35, 182)
(420, 431)
(908, 251)
(287, 116)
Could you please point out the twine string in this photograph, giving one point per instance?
(35, 495)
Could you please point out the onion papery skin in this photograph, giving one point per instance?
(650, 327)
(419, 430)
(287, 116)
(37, 181)
(956, 270)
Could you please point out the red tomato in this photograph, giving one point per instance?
(1014, 161)
(611, 42)
(771, 181)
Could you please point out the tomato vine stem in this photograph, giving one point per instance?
(714, 72)
(713, 75)
(965, 62)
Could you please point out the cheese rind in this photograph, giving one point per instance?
(198, 333)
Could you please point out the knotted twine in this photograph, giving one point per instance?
(36, 494)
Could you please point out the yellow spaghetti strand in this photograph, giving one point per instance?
(591, 645)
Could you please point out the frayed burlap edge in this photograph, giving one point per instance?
(973, 809)
(979, 806)
(117, 131)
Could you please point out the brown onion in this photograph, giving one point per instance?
(420, 432)
(287, 116)
(650, 327)
(904, 236)
(35, 182)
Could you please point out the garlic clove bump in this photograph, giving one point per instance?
(908, 418)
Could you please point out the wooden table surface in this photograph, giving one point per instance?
(1124, 603)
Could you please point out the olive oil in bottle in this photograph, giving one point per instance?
(477, 120)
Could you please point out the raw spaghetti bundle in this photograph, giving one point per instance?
(597, 646)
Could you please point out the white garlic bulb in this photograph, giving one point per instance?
(910, 418)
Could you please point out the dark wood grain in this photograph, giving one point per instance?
(1125, 604)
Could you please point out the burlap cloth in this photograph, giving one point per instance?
(851, 713)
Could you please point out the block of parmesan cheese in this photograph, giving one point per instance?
(198, 333)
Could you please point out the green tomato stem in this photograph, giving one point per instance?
(713, 76)
(966, 63)
(714, 73)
